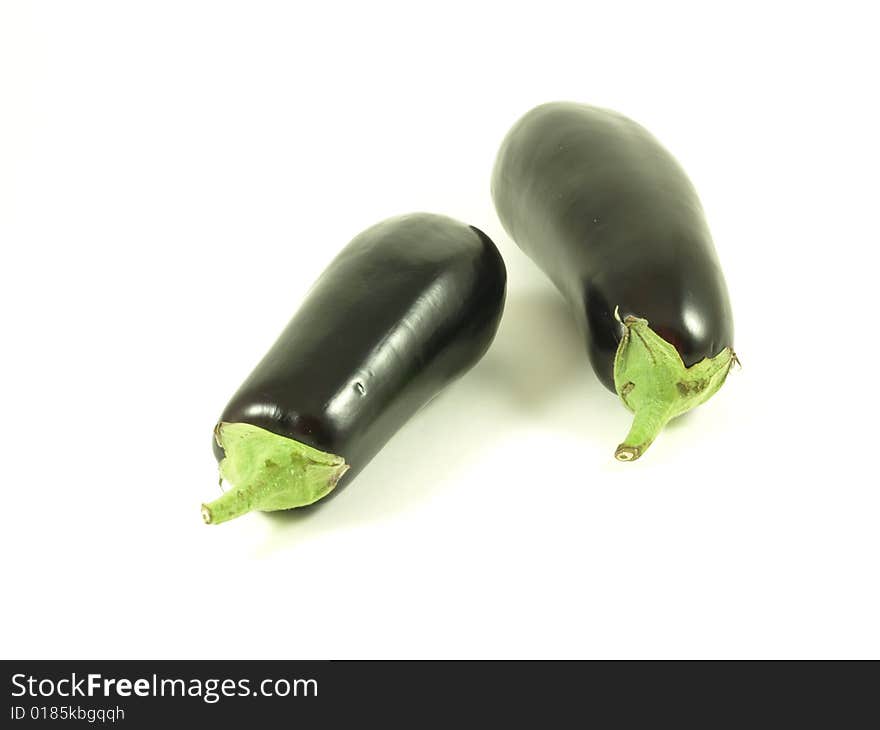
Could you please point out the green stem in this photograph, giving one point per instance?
(655, 385)
(269, 472)
(647, 423)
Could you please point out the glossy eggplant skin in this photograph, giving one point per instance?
(612, 219)
(408, 306)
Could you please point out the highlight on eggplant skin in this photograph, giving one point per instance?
(613, 220)
(408, 306)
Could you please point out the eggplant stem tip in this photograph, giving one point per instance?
(626, 453)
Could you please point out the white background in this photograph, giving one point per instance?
(173, 177)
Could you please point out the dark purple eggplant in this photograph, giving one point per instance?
(610, 216)
(408, 306)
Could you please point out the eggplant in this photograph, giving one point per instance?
(406, 307)
(611, 218)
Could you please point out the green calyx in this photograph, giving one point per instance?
(269, 472)
(653, 382)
